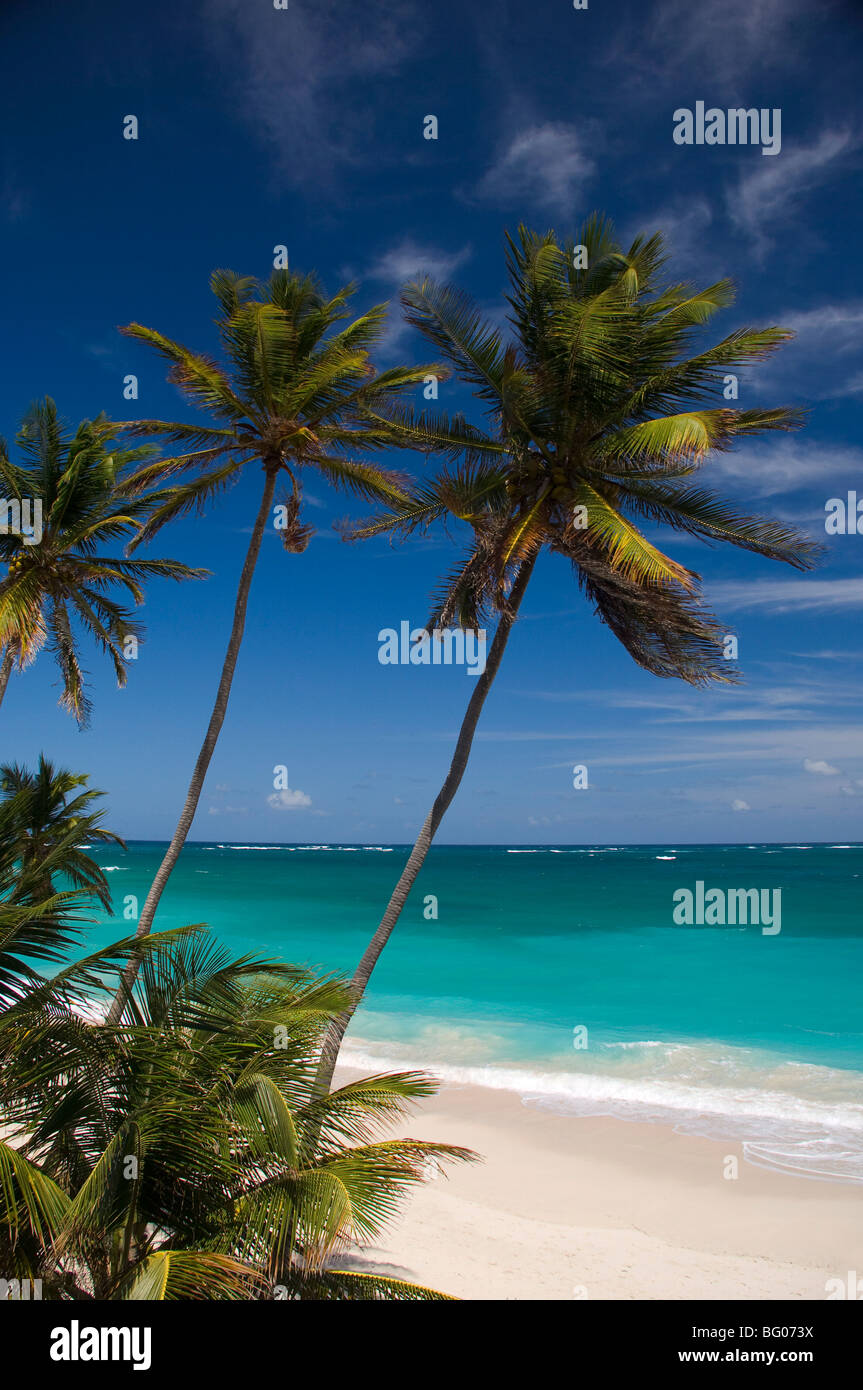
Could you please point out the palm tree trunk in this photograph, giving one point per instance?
(337, 1028)
(217, 718)
(6, 669)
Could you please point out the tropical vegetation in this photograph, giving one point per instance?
(170, 1127)
(183, 1153)
(73, 488)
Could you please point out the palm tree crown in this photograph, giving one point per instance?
(61, 578)
(47, 822)
(599, 423)
(295, 393)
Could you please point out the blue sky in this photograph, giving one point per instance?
(304, 127)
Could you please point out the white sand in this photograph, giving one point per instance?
(566, 1208)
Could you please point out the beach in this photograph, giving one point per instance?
(608, 1065)
(563, 1207)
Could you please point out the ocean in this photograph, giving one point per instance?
(569, 975)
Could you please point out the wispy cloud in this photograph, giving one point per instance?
(303, 75)
(544, 164)
(829, 347)
(409, 258)
(732, 41)
(787, 746)
(789, 595)
(825, 359)
(770, 702)
(827, 655)
(764, 198)
(836, 326)
(789, 465)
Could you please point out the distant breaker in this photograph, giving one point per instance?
(736, 126)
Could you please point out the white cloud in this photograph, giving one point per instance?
(819, 766)
(828, 337)
(789, 595)
(409, 259)
(309, 79)
(783, 745)
(789, 464)
(544, 164)
(288, 800)
(837, 326)
(727, 40)
(765, 196)
(826, 655)
(823, 361)
(738, 805)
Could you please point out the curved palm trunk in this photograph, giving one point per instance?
(6, 670)
(336, 1030)
(217, 718)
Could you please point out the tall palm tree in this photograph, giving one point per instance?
(61, 574)
(598, 422)
(45, 824)
(295, 394)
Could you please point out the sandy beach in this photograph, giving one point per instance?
(569, 1208)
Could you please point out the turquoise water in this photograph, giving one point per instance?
(726, 1031)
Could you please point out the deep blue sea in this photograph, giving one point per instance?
(560, 974)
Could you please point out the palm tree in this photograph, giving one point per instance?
(183, 1155)
(596, 425)
(293, 396)
(59, 574)
(43, 837)
(44, 827)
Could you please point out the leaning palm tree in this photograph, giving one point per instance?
(70, 488)
(601, 412)
(294, 396)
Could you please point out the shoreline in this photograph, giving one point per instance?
(563, 1207)
(800, 1133)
